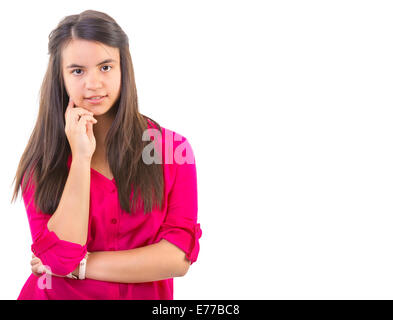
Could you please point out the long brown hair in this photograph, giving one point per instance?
(44, 159)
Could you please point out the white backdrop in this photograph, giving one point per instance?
(288, 108)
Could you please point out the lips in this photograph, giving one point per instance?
(96, 101)
(94, 97)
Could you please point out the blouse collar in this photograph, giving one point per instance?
(109, 185)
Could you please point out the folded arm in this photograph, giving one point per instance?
(154, 262)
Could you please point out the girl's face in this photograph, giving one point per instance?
(91, 69)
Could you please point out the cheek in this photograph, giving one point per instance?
(82, 101)
(78, 99)
(73, 89)
(116, 83)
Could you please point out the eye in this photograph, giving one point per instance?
(75, 70)
(107, 66)
(77, 74)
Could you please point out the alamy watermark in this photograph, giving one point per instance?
(45, 281)
(170, 154)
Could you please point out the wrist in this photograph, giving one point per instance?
(80, 270)
(82, 267)
(76, 271)
(83, 160)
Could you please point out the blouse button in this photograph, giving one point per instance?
(114, 220)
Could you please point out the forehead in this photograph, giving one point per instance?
(88, 53)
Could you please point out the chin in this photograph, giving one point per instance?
(100, 113)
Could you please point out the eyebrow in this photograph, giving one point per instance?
(102, 62)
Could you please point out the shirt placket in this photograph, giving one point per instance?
(112, 223)
(114, 229)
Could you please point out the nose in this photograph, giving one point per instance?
(93, 81)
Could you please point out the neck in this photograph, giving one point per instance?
(100, 130)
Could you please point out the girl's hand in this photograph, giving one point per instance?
(38, 269)
(79, 131)
(36, 266)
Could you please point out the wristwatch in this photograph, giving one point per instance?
(82, 270)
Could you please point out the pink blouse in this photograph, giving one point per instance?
(112, 229)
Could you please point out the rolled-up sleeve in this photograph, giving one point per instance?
(61, 256)
(180, 226)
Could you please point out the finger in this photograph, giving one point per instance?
(82, 124)
(73, 112)
(80, 111)
(84, 120)
(38, 269)
(89, 132)
(75, 117)
(70, 105)
(35, 273)
(88, 117)
(41, 269)
(35, 260)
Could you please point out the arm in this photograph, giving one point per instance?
(52, 244)
(176, 245)
(177, 238)
(70, 221)
(154, 262)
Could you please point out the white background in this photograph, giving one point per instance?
(288, 108)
